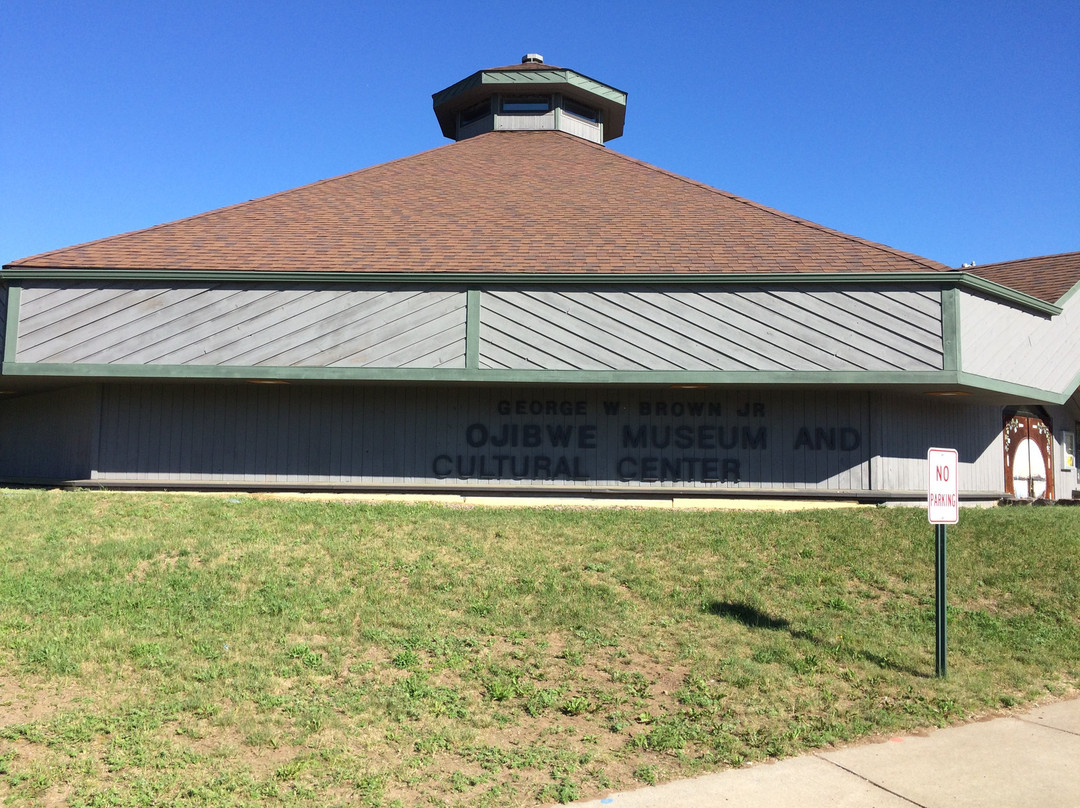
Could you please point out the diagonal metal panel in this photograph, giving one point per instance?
(262, 324)
(727, 330)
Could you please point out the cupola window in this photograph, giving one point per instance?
(581, 111)
(528, 104)
(476, 112)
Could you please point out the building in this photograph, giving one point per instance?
(526, 310)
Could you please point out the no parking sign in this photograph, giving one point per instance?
(942, 501)
(942, 508)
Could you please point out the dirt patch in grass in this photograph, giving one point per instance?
(42, 700)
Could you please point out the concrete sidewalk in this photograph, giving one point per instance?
(1029, 759)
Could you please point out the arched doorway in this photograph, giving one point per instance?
(1029, 454)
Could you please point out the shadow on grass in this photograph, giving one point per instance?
(755, 618)
(749, 616)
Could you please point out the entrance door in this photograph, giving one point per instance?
(1029, 457)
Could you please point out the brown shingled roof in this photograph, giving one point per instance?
(544, 202)
(1047, 277)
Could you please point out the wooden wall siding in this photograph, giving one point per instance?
(49, 435)
(383, 435)
(1062, 420)
(905, 427)
(686, 329)
(259, 324)
(581, 128)
(1003, 342)
(515, 122)
(443, 436)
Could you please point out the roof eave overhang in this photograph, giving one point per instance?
(946, 279)
(962, 387)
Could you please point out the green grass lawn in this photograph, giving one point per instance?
(231, 650)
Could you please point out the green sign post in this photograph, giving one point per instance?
(939, 599)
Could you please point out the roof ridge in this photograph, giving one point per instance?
(222, 209)
(935, 266)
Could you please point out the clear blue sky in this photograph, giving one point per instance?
(948, 129)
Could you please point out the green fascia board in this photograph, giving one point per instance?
(997, 290)
(458, 88)
(930, 378)
(936, 380)
(1065, 298)
(475, 280)
(554, 78)
(489, 375)
(530, 78)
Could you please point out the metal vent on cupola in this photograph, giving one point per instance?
(531, 96)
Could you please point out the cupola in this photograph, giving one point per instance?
(530, 96)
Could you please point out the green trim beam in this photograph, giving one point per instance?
(551, 77)
(920, 381)
(11, 326)
(493, 375)
(923, 380)
(979, 284)
(973, 381)
(945, 280)
(472, 329)
(950, 328)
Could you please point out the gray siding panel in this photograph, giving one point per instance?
(475, 437)
(838, 441)
(872, 338)
(586, 129)
(49, 435)
(1003, 342)
(1063, 420)
(52, 317)
(514, 123)
(905, 427)
(727, 330)
(259, 324)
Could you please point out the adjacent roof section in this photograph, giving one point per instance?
(503, 202)
(1047, 277)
